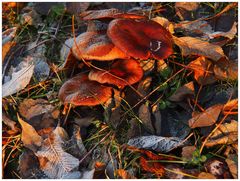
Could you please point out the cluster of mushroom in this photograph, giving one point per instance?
(123, 38)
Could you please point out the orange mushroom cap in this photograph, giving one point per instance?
(122, 73)
(96, 46)
(141, 38)
(108, 14)
(81, 91)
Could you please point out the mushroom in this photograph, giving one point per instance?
(122, 73)
(80, 91)
(140, 38)
(108, 14)
(96, 46)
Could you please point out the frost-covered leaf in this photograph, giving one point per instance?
(156, 143)
(30, 137)
(194, 46)
(206, 118)
(19, 80)
(54, 160)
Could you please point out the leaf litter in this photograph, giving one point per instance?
(161, 115)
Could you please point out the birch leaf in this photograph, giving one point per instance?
(194, 46)
(156, 143)
(54, 161)
(19, 80)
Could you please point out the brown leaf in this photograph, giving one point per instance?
(226, 70)
(194, 46)
(187, 152)
(123, 174)
(225, 134)
(10, 123)
(30, 137)
(229, 34)
(145, 116)
(231, 107)
(203, 71)
(184, 9)
(6, 48)
(30, 108)
(206, 118)
(205, 175)
(144, 86)
(233, 167)
(183, 92)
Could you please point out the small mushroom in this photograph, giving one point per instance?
(108, 14)
(122, 73)
(96, 46)
(80, 91)
(141, 38)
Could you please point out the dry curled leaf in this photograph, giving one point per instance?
(184, 9)
(225, 134)
(19, 80)
(187, 152)
(156, 143)
(182, 92)
(229, 34)
(206, 118)
(194, 46)
(203, 71)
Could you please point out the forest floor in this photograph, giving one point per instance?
(178, 120)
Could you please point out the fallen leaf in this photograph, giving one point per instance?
(135, 129)
(187, 152)
(206, 118)
(30, 137)
(203, 71)
(30, 108)
(76, 7)
(152, 167)
(86, 121)
(165, 23)
(54, 161)
(183, 92)
(231, 107)
(156, 143)
(218, 168)
(145, 116)
(10, 123)
(123, 174)
(194, 46)
(205, 175)
(226, 70)
(8, 35)
(30, 17)
(225, 134)
(230, 34)
(29, 166)
(157, 119)
(147, 65)
(19, 80)
(184, 9)
(233, 167)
